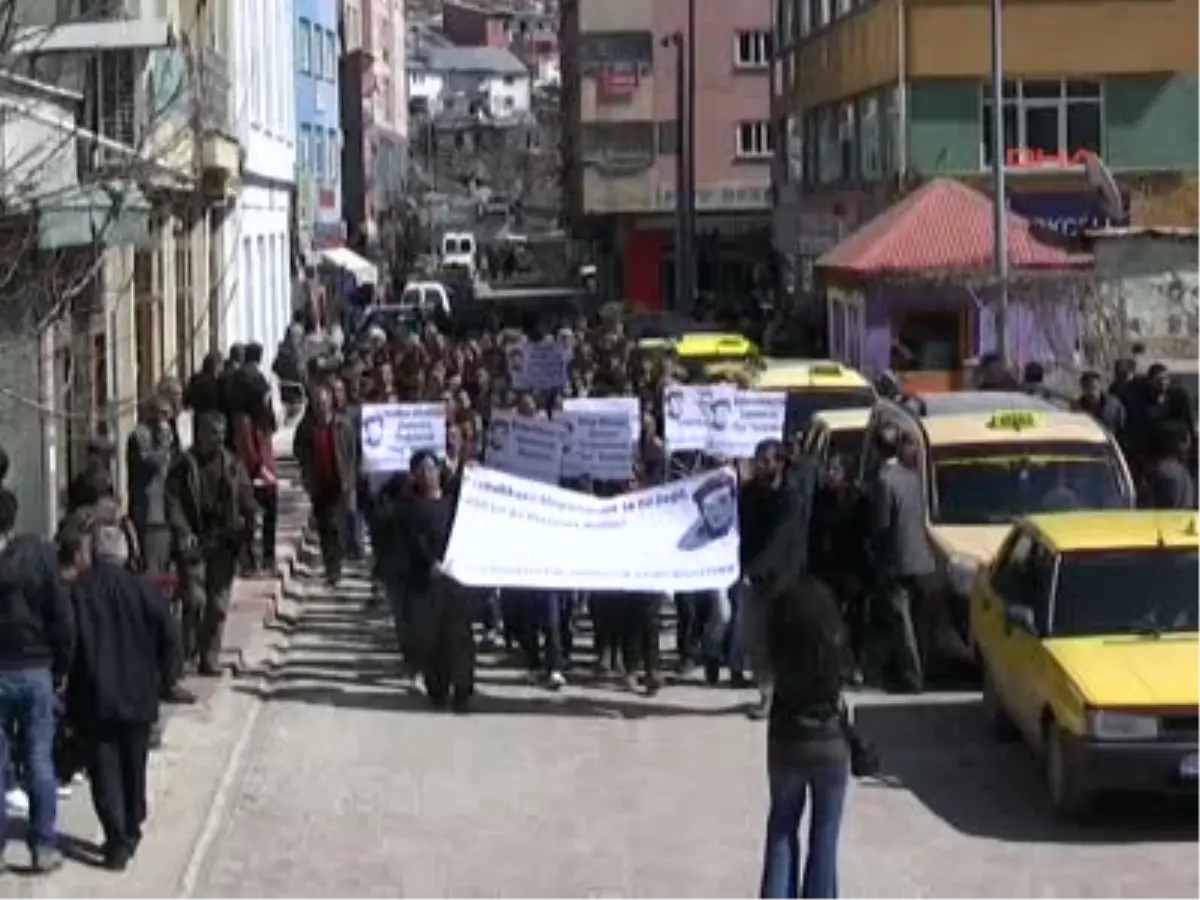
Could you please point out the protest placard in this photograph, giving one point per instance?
(597, 445)
(687, 414)
(393, 432)
(630, 407)
(526, 447)
(540, 367)
(752, 417)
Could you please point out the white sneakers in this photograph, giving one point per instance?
(17, 802)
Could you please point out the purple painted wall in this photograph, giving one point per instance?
(1047, 337)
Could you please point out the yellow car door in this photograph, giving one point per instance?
(990, 625)
(1029, 676)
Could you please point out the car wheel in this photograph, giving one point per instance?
(998, 720)
(1069, 797)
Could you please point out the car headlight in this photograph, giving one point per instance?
(1116, 726)
(960, 572)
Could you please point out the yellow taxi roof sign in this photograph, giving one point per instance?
(1014, 420)
(830, 369)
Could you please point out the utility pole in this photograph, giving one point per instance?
(688, 158)
(999, 182)
(675, 39)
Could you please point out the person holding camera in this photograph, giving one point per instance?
(811, 745)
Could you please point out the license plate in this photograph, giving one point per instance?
(1188, 768)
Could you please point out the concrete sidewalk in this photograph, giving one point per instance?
(199, 745)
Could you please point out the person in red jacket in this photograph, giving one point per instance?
(255, 450)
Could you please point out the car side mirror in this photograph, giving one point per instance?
(1020, 617)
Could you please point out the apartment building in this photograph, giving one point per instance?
(882, 94)
(619, 147)
(319, 122)
(374, 100)
(530, 36)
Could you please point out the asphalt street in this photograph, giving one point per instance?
(333, 778)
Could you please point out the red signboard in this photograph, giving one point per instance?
(1022, 158)
(615, 83)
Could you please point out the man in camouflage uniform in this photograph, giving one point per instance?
(208, 500)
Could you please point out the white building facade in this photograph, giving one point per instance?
(259, 243)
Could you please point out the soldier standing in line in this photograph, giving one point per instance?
(209, 498)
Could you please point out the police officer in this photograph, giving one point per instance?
(209, 498)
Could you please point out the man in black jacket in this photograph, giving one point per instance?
(126, 645)
(35, 654)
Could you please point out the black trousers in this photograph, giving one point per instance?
(267, 496)
(330, 513)
(446, 615)
(116, 765)
(637, 632)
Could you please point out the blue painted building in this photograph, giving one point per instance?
(318, 122)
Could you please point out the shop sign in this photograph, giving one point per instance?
(1064, 212)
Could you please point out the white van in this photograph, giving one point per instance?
(458, 249)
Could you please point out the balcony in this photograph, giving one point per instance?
(220, 154)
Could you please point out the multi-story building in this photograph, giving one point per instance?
(531, 36)
(485, 83)
(374, 97)
(880, 97)
(259, 249)
(619, 141)
(318, 115)
(118, 164)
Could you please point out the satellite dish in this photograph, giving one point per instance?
(1101, 180)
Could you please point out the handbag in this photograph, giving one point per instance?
(864, 757)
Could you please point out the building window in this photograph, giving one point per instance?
(1045, 122)
(753, 140)
(353, 28)
(843, 8)
(302, 159)
(330, 56)
(870, 143)
(752, 50)
(847, 143)
(829, 151)
(600, 50)
(303, 42)
(319, 158)
(806, 18)
(668, 137)
(317, 54)
(334, 153)
(618, 145)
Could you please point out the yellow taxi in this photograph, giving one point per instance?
(1086, 628)
(988, 458)
(705, 355)
(837, 432)
(812, 385)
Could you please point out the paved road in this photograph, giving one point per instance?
(340, 781)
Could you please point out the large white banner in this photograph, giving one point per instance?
(720, 419)
(524, 446)
(540, 367)
(512, 532)
(393, 432)
(597, 445)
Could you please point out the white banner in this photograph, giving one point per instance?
(598, 445)
(540, 367)
(631, 407)
(393, 432)
(687, 414)
(721, 420)
(525, 447)
(511, 532)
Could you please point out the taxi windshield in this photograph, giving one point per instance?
(1103, 592)
(804, 403)
(990, 484)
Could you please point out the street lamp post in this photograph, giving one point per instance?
(688, 156)
(999, 182)
(682, 238)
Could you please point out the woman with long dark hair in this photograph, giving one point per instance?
(808, 756)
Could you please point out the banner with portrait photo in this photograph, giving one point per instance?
(511, 532)
(687, 414)
(525, 447)
(540, 367)
(392, 432)
(597, 445)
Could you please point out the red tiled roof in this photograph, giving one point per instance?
(943, 227)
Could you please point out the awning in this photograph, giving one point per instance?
(364, 271)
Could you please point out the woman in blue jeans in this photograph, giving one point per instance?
(808, 759)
